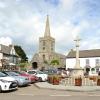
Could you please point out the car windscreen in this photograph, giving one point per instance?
(39, 72)
(17, 72)
(2, 74)
(12, 73)
(31, 72)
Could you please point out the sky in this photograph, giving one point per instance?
(22, 22)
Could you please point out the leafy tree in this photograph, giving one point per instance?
(55, 62)
(21, 53)
(22, 66)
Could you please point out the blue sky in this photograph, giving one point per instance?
(22, 22)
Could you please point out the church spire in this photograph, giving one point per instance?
(47, 27)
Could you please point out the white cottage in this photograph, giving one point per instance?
(8, 56)
(89, 60)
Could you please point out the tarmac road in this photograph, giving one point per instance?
(33, 93)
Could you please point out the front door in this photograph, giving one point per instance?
(34, 65)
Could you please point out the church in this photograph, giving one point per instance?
(47, 56)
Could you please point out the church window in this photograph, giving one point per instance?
(51, 48)
(43, 43)
(43, 48)
(43, 57)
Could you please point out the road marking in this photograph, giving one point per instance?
(60, 95)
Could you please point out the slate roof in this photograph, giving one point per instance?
(5, 49)
(84, 53)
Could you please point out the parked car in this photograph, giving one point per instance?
(42, 76)
(32, 78)
(22, 81)
(7, 83)
(50, 71)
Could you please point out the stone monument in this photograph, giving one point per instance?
(77, 71)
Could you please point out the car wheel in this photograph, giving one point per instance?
(40, 79)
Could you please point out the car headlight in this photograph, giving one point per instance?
(4, 81)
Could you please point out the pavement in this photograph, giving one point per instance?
(46, 85)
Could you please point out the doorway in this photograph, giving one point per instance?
(34, 65)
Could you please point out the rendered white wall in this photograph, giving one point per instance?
(70, 63)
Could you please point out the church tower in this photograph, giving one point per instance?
(47, 53)
(46, 43)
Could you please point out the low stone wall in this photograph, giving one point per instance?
(84, 81)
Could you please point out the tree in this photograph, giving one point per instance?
(54, 62)
(21, 53)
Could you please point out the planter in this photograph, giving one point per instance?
(98, 82)
(94, 78)
(50, 79)
(78, 82)
(55, 80)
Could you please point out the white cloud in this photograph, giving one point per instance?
(90, 44)
(2, 5)
(24, 22)
(67, 32)
(5, 41)
(67, 4)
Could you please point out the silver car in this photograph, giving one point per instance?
(22, 81)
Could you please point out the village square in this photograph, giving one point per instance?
(45, 73)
